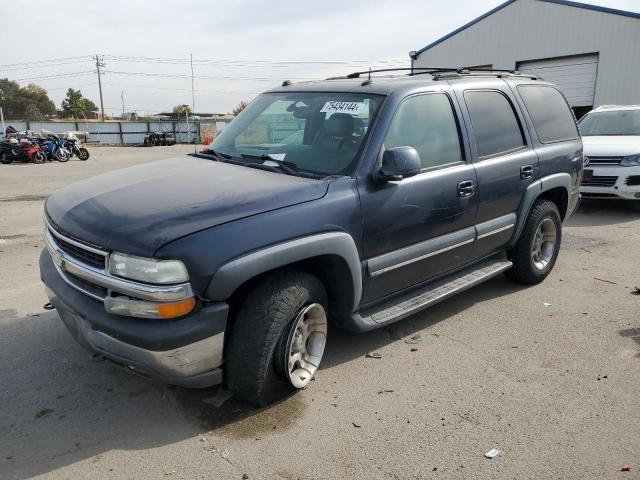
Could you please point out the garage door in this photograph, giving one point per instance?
(576, 76)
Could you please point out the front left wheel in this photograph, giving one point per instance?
(83, 154)
(277, 338)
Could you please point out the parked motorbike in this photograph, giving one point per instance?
(72, 145)
(53, 148)
(24, 151)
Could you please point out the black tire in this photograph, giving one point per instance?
(524, 268)
(253, 371)
(39, 157)
(6, 158)
(83, 154)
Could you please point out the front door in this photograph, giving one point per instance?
(423, 226)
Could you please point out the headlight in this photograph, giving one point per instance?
(631, 161)
(147, 270)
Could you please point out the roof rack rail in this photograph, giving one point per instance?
(434, 70)
(409, 69)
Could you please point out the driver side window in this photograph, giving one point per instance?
(428, 124)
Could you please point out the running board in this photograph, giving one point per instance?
(409, 303)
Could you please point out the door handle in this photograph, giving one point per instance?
(526, 172)
(466, 188)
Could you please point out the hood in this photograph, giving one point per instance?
(137, 210)
(611, 145)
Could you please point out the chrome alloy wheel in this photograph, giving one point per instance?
(544, 244)
(305, 344)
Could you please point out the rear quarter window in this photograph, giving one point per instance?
(549, 113)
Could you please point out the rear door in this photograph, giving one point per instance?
(504, 160)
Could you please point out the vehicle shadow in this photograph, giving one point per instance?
(344, 346)
(60, 405)
(594, 212)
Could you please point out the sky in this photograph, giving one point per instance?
(240, 48)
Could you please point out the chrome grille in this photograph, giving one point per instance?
(96, 260)
(608, 161)
(600, 181)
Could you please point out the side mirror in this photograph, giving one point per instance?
(399, 163)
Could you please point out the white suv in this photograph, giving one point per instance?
(611, 139)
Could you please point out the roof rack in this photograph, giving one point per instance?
(439, 71)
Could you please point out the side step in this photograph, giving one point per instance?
(409, 303)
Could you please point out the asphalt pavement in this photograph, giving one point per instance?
(549, 375)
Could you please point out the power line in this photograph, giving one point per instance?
(46, 65)
(205, 77)
(57, 75)
(248, 62)
(197, 62)
(44, 61)
(70, 86)
(179, 89)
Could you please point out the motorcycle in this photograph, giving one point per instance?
(72, 145)
(54, 150)
(24, 151)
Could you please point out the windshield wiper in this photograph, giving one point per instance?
(219, 155)
(286, 167)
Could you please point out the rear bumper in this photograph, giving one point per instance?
(186, 352)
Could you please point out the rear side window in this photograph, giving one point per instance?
(495, 125)
(428, 124)
(549, 113)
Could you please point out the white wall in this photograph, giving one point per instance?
(532, 29)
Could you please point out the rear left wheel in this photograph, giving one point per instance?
(277, 339)
(537, 249)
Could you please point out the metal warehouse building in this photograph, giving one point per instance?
(592, 53)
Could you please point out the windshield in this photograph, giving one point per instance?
(620, 122)
(315, 133)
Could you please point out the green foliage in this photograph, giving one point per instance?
(182, 109)
(89, 106)
(241, 106)
(73, 104)
(27, 103)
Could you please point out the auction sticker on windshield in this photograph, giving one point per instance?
(352, 108)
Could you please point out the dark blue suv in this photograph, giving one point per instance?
(357, 200)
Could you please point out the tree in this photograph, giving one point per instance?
(76, 106)
(89, 106)
(182, 109)
(241, 106)
(28, 103)
(73, 105)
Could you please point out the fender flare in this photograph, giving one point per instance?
(236, 272)
(532, 193)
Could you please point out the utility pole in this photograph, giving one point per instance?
(193, 104)
(100, 63)
(122, 97)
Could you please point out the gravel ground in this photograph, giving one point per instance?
(549, 375)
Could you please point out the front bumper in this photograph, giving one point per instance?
(187, 351)
(624, 186)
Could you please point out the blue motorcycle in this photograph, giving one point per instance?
(53, 149)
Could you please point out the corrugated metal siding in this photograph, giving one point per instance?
(576, 76)
(529, 30)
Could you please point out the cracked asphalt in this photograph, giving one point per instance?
(549, 375)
